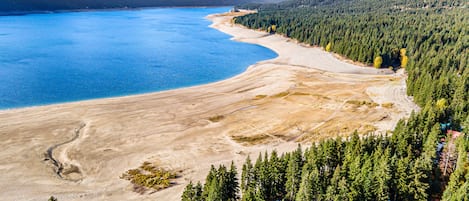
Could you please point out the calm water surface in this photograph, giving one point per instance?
(53, 58)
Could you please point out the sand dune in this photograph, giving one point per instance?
(303, 95)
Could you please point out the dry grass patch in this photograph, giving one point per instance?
(322, 96)
(361, 103)
(251, 140)
(387, 105)
(259, 97)
(216, 118)
(281, 94)
(297, 93)
(149, 176)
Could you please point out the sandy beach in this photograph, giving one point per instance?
(303, 95)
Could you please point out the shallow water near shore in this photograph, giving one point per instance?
(63, 57)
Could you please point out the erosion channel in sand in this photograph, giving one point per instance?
(303, 95)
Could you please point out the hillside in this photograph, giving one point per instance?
(430, 39)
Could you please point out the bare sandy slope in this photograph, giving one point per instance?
(272, 105)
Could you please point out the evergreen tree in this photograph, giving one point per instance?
(214, 191)
(247, 176)
(293, 174)
(355, 179)
(232, 184)
(381, 175)
(249, 195)
(342, 191)
(304, 192)
(277, 177)
(417, 188)
(332, 192)
(366, 176)
(198, 192)
(208, 182)
(189, 193)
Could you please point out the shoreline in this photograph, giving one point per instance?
(131, 94)
(266, 107)
(328, 60)
(359, 68)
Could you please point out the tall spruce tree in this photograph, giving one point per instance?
(293, 174)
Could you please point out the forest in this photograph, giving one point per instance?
(402, 166)
(430, 39)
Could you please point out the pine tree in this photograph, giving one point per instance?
(247, 175)
(343, 190)
(418, 188)
(249, 195)
(293, 174)
(277, 177)
(332, 191)
(223, 177)
(264, 178)
(367, 180)
(189, 193)
(232, 183)
(381, 175)
(198, 192)
(208, 181)
(214, 191)
(355, 179)
(304, 192)
(259, 196)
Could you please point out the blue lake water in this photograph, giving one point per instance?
(63, 57)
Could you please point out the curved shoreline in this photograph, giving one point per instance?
(148, 71)
(304, 55)
(271, 102)
(276, 43)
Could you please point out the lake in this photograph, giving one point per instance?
(71, 56)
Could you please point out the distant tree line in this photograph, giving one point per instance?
(8, 6)
(353, 5)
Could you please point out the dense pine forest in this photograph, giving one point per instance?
(430, 39)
